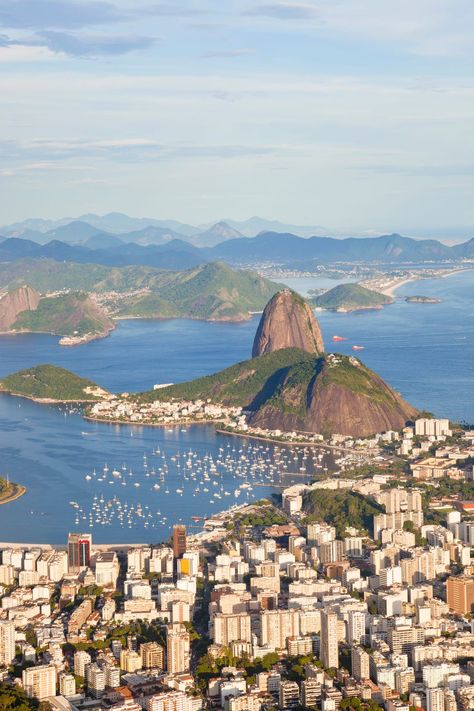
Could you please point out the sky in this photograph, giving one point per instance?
(350, 114)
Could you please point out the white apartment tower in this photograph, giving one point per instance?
(329, 652)
(7, 642)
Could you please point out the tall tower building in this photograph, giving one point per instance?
(329, 652)
(179, 540)
(78, 551)
(7, 642)
(356, 627)
(177, 649)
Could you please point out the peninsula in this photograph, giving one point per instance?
(74, 315)
(10, 491)
(51, 384)
(81, 302)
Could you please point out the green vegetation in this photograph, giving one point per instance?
(212, 291)
(13, 698)
(351, 297)
(350, 373)
(71, 314)
(49, 382)
(266, 516)
(283, 390)
(341, 509)
(237, 385)
(353, 703)
(143, 631)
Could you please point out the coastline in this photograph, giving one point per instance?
(395, 284)
(229, 433)
(46, 400)
(18, 491)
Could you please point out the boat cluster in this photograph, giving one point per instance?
(231, 473)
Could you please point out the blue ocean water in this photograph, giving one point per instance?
(425, 351)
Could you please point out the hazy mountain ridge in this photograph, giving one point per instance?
(282, 249)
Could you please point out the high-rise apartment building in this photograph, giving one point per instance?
(310, 693)
(81, 660)
(177, 649)
(289, 695)
(277, 625)
(434, 699)
(360, 663)
(39, 682)
(7, 642)
(329, 653)
(95, 680)
(356, 627)
(152, 655)
(179, 540)
(67, 684)
(460, 594)
(130, 661)
(230, 628)
(79, 547)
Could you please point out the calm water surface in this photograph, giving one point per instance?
(426, 351)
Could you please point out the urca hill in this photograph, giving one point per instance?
(291, 384)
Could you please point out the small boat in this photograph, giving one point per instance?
(339, 338)
(358, 348)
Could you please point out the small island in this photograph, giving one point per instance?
(10, 491)
(422, 300)
(51, 384)
(351, 297)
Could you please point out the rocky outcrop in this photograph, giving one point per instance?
(336, 395)
(14, 302)
(287, 322)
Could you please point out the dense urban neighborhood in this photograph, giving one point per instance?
(354, 591)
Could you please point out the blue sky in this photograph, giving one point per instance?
(352, 114)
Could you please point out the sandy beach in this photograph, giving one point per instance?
(390, 286)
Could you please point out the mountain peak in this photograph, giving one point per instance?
(287, 322)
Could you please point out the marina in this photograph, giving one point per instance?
(53, 452)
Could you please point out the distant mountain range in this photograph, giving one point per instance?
(151, 247)
(133, 229)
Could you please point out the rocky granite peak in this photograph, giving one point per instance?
(24, 298)
(287, 322)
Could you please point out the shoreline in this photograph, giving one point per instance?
(230, 433)
(392, 288)
(128, 423)
(19, 491)
(46, 400)
(288, 443)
